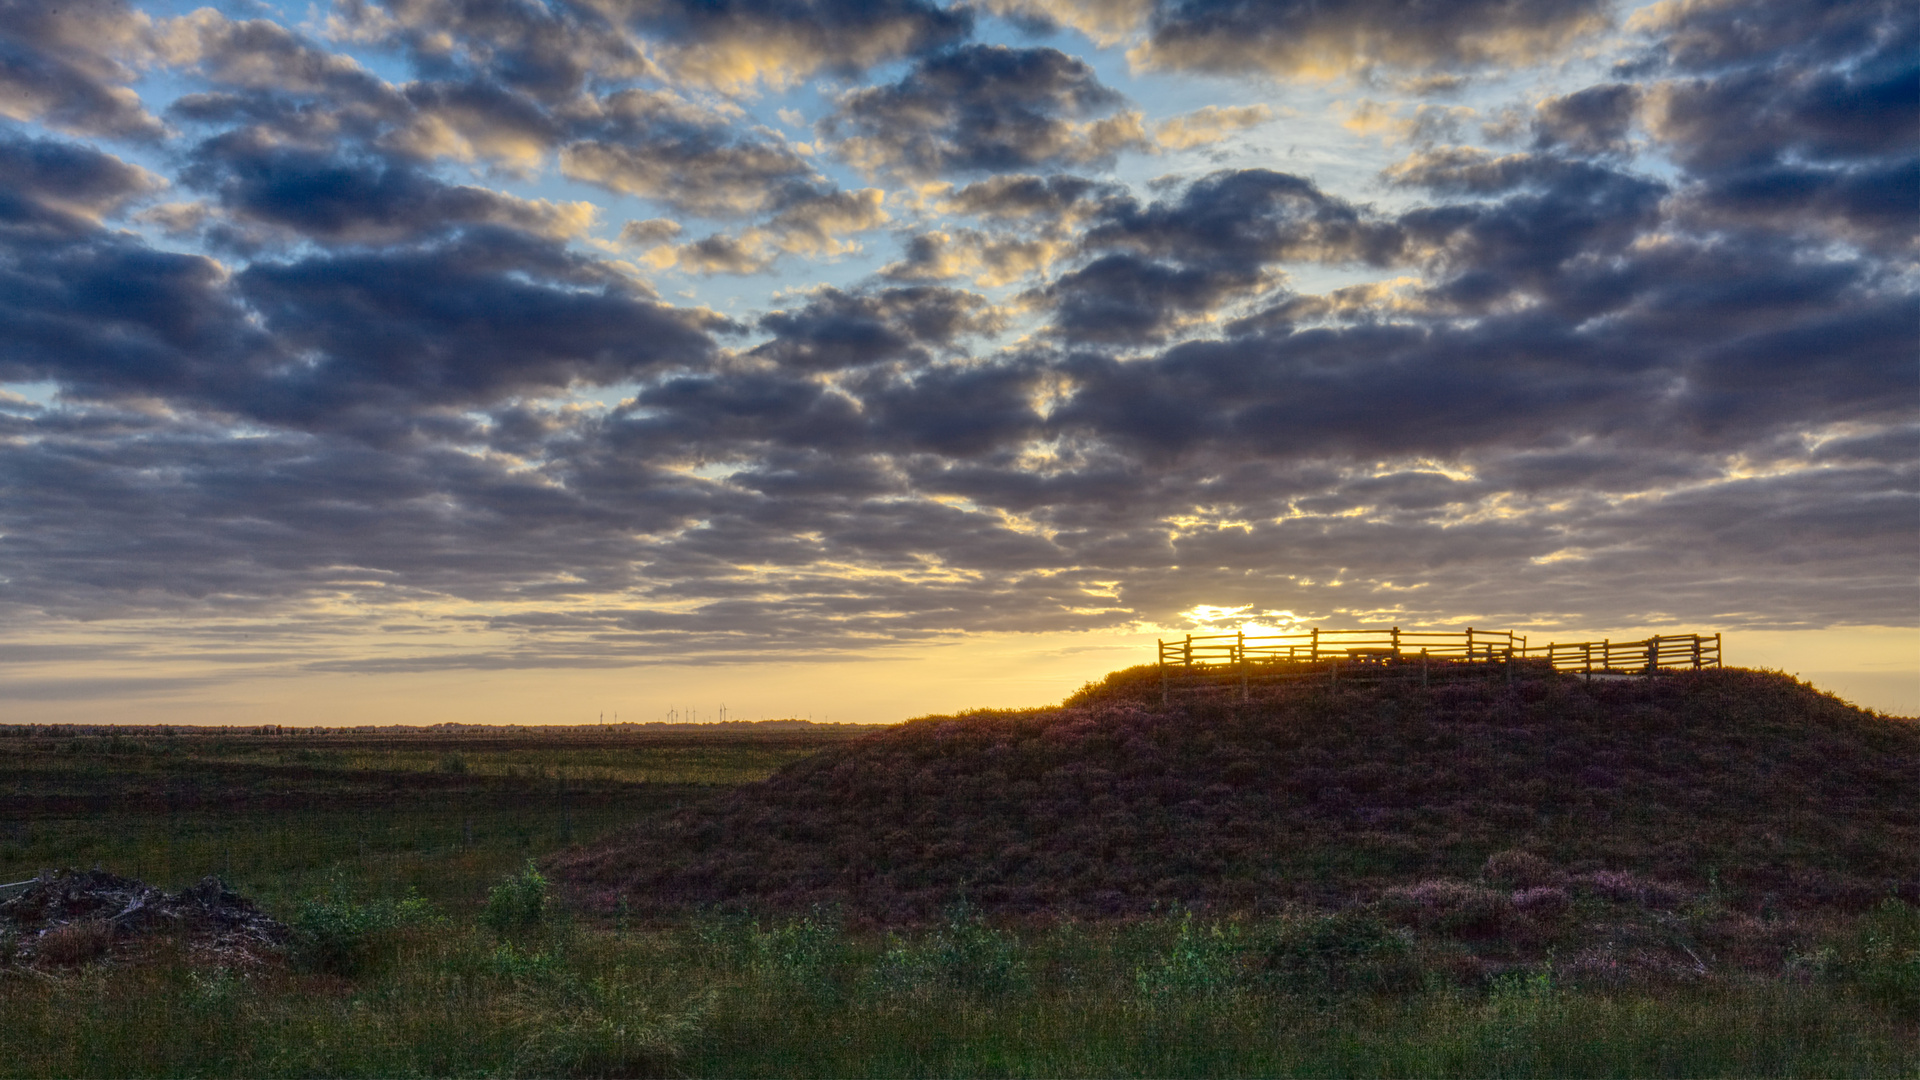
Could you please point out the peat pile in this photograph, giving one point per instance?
(74, 917)
(1744, 783)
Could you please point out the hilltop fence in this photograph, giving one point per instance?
(1216, 661)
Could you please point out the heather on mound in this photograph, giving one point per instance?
(1744, 784)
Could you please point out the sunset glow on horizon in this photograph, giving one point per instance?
(422, 361)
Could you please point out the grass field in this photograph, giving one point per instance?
(424, 945)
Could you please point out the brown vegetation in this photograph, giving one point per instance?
(1742, 786)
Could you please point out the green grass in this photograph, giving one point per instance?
(803, 998)
(279, 815)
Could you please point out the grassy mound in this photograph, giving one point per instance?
(1466, 806)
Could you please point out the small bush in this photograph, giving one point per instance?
(516, 903)
(607, 1026)
(1204, 961)
(802, 953)
(335, 934)
(965, 955)
(1883, 959)
(453, 764)
(1344, 951)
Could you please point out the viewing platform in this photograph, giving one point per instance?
(1214, 661)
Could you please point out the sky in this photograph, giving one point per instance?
(508, 361)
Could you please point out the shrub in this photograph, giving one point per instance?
(518, 902)
(335, 934)
(452, 763)
(965, 955)
(1883, 959)
(1343, 951)
(606, 1026)
(1204, 961)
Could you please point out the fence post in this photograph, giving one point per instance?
(1469, 644)
(1163, 671)
(1396, 643)
(1653, 654)
(1716, 650)
(1315, 656)
(1243, 665)
(1696, 652)
(1187, 657)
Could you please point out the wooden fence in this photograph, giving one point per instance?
(1212, 661)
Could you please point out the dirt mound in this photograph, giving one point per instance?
(1746, 783)
(73, 917)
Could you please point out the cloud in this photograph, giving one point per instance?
(810, 223)
(470, 322)
(1245, 218)
(1423, 124)
(552, 51)
(658, 146)
(836, 330)
(60, 188)
(736, 44)
(359, 199)
(69, 66)
(1792, 118)
(1207, 125)
(547, 51)
(1292, 39)
(1648, 358)
(1589, 122)
(985, 108)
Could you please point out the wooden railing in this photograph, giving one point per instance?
(1373, 653)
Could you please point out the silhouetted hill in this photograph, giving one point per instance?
(1770, 792)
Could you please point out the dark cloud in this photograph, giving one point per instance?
(107, 315)
(548, 51)
(1793, 117)
(489, 315)
(1051, 198)
(62, 189)
(985, 108)
(1294, 38)
(1592, 121)
(1246, 218)
(338, 198)
(837, 330)
(1124, 299)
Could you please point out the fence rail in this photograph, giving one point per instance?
(1218, 659)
